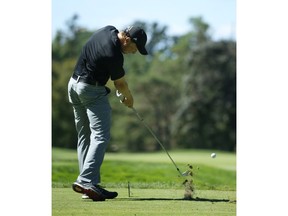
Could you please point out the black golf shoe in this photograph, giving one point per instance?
(94, 192)
(105, 193)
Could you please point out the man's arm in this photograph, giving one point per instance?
(122, 86)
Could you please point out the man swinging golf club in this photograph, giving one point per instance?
(101, 59)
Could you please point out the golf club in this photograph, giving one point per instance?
(119, 95)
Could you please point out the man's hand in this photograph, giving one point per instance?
(122, 86)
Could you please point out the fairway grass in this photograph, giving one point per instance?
(150, 202)
(224, 160)
(156, 187)
(151, 170)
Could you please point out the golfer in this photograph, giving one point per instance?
(101, 59)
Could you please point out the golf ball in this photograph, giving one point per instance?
(213, 155)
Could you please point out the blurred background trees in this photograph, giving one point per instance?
(185, 90)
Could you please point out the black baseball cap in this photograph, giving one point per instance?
(139, 37)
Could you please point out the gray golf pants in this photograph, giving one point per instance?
(92, 114)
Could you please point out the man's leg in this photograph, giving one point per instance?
(81, 123)
(95, 102)
(99, 115)
(83, 131)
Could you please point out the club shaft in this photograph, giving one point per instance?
(156, 138)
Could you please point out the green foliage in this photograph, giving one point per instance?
(185, 90)
(207, 117)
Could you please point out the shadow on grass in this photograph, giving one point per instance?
(197, 199)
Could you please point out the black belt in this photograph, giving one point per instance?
(85, 80)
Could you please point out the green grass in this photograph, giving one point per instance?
(150, 202)
(146, 170)
(156, 188)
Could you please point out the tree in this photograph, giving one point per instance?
(207, 117)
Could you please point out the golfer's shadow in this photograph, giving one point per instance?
(197, 199)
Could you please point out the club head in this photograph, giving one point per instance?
(186, 173)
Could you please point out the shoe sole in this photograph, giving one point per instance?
(84, 196)
(90, 193)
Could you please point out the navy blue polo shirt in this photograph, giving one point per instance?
(101, 57)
